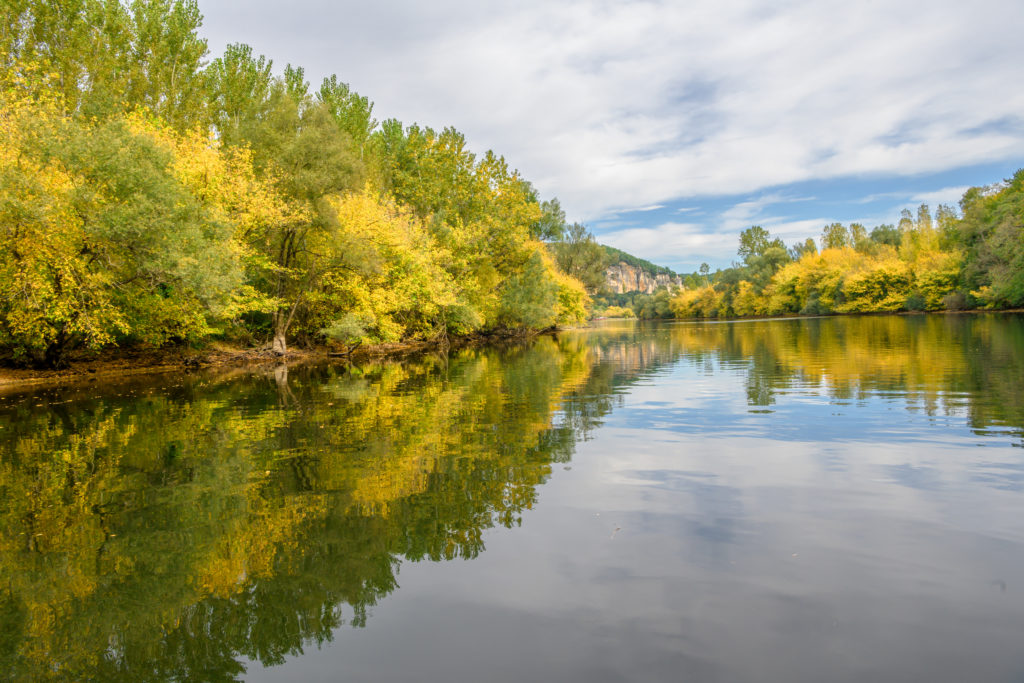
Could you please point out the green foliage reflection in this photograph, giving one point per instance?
(163, 533)
(947, 363)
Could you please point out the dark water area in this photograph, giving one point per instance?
(835, 499)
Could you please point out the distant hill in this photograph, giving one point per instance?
(619, 256)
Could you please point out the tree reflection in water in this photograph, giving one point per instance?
(168, 528)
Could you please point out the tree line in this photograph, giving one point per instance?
(151, 196)
(929, 261)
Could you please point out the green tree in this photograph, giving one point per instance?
(108, 57)
(529, 298)
(886, 234)
(433, 173)
(906, 222)
(761, 254)
(166, 60)
(924, 217)
(947, 220)
(835, 236)
(238, 87)
(352, 111)
(298, 144)
(653, 306)
(859, 239)
(552, 225)
(992, 232)
(77, 41)
(762, 267)
(753, 241)
(579, 255)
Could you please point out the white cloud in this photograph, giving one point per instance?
(618, 104)
(881, 195)
(949, 196)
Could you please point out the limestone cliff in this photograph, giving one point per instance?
(623, 277)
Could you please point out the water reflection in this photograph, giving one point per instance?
(160, 532)
(175, 529)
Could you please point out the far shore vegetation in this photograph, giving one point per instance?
(966, 258)
(950, 260)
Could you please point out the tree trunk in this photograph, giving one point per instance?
(55, 356)
(280, 345)
(282, 321)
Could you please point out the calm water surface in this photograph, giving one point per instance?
(799, 500)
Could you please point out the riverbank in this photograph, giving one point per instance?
(113, 363)
(864, 314)
(110, 364)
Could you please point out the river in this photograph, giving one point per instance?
(832, 499)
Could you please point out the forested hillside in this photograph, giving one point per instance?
(617, 255)
(150, 195)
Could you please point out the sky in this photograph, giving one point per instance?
(669, 127)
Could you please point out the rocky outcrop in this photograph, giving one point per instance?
(622, 277)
